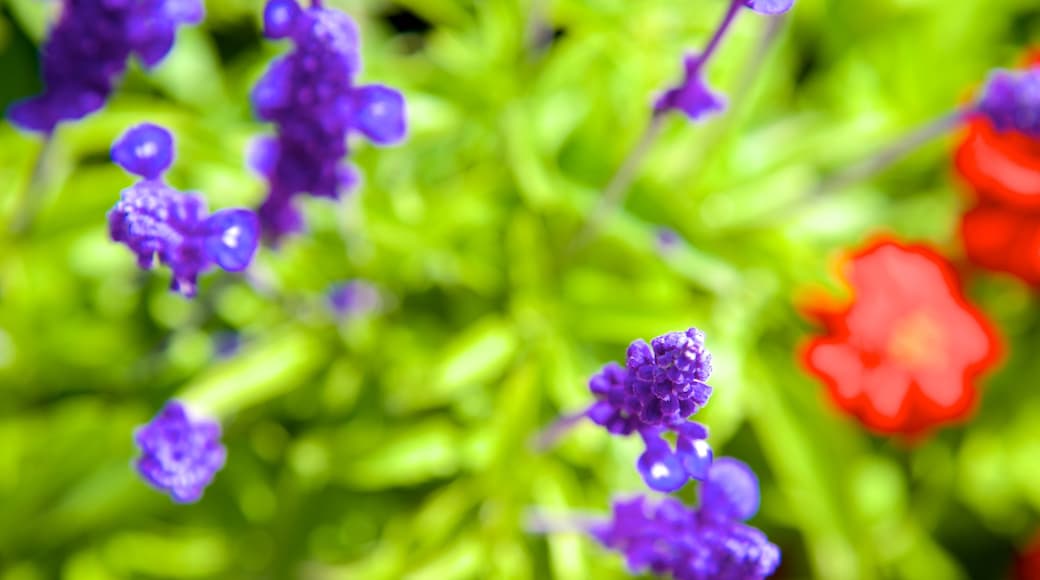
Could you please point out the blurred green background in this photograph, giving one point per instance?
(396, 444)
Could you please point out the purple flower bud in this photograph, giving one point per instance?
(312, 98)
(354, 298)
(280, 18)
(695, 455)
(662, 469)
(769, 6)
(179, 455)
(1011, 101)
(87, 50)
(667, 239)
(730, 491)
(379, 114)
(145, 150)
(153, 219)
(692, 97)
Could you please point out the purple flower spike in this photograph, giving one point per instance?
(769, 6)
(730, 491)
(668, 538)
(660, 386)
(153, 219)
(312, 97)
(145, 150)
(693, 97)
(87, 50)
(179, 455)
(1011, 101)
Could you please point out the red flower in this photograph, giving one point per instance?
(1027, 566)
(903, 353)
(1004, 240)
(1002, 231)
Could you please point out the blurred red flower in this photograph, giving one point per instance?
(1027, 567)
(1002, 231)
(903, 353)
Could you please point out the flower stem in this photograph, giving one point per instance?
(539, 522)
(890, 154)
(29, 205)
(618, 186)
(548, 437)
(720, 32)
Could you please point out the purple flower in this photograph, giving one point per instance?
(769, 6)
(353, 298)
(692, 97)
(312, 98)
(87, 50)
(666, 537)
(660, 386)
(153, 219)
(1011, 101)
(179, 455)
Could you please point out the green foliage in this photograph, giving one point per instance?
(397, 445)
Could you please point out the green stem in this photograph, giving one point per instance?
(615, 192)
(31, 201)
(890, 154)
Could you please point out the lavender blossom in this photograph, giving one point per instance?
(1011, 101)
(692, 97)
(87, 51)
(661, 385)
(180, 455)
(666, 537)
(312, 98)
(153, 219)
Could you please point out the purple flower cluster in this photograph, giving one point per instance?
(312, 98)
(1011, 101)
(692, 97)
(153, 219)
(660, 386)
(710, 543)
(179, 455)
(87, 51)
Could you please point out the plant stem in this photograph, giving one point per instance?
(720, 32)
(889, 155)
(30, 202)
(551, 434)
(539, 522)
(618, 186)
